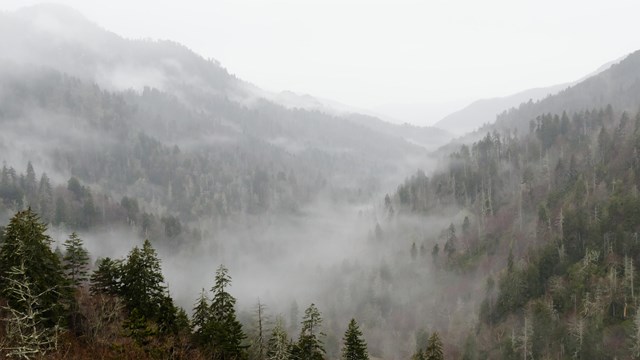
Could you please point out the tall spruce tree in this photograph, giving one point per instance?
(142, 284)
(278, 344)
(226, 331)
(106, 278)
(26, 245)
(76, 260)
(434, 348)
(200, 320)
(355, 347)
(309, 346)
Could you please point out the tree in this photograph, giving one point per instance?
(355, 347)
(278, 344)
(141, 283)
(201, 317)
(434, 348)
(28, 335)
(26, 245)
(258, 341)
(450, 244)
(76, 260)
(106, 279)
(223, 327)
(309, 346)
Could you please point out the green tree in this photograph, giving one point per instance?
(201, 318)
(434, 348)
(225, 330)
(309, 346)
(106, 278)
(142, 284)
(278, 344)
(76, 260)
(27, 245)
(355, 347)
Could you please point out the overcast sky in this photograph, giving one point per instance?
(371, 53)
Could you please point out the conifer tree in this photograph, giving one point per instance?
(278, 344)
(27, 245)
(434, 348)
(76, 260)
(309, 346)
(226, 331)
(142, 284)
(106, 278)
(355, 347)
(201, 317)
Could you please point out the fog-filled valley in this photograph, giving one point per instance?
(154, 205)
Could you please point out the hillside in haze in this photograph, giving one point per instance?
(154, 206)
(484, 112)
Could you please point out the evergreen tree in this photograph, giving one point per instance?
(142, 285)
(26, 245)
(76, 260)
(278, 344)
(106, 278)
(355, 347)
(225, 330)
(309, 346)
(201, 317)
(434, 348)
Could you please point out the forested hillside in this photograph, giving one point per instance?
(132, 169)
(551, 220)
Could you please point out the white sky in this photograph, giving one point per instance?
(371, 53)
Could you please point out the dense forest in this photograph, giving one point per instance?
(346, 236)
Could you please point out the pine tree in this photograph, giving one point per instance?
(142, 284)
(309, 346)
(355, 347)
(201, 317)
(434, 348)
(76, 260)
(106, 279)
(278, 344)
(225, 329)
(26, 244)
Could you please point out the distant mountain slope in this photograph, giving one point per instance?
(155, 120)
(483, 112)
(618, 86)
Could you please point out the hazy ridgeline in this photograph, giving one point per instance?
(518, 241)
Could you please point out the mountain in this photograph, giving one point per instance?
(63, 66)
(483, 112)
(616, 86)
(428, 137)
(545, 220)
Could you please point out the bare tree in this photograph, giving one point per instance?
(27, 335)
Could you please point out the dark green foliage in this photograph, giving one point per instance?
(215, 327)
(106, 278)
(309, 345)
(434, 350)
(76, 260)
(27, 245)
(201, 317)
(354, 347)
(142, 283)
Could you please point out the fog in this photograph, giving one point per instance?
(286, 191)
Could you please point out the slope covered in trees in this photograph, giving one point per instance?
(125, 311)
(551, 220)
